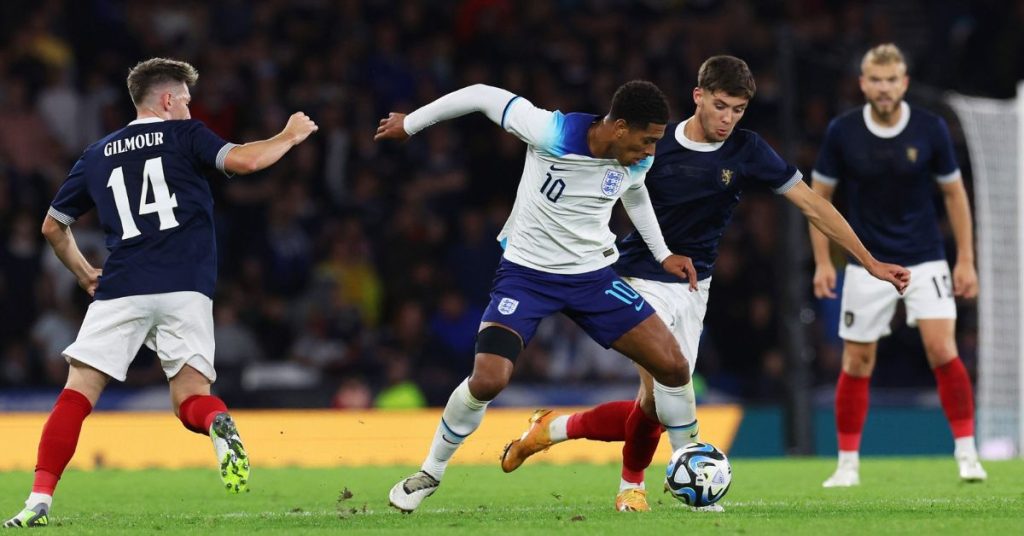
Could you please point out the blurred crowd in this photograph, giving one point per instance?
(353, 274)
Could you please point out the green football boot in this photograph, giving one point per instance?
(234, 462)
(29, 518)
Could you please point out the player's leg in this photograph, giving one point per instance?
(604, 422)
(497, 347)
(932, 308)
(867, 308)
(59, 440)
(651, 345)
(642, 432)
(851, 410)
(683, 312)
(206, 414)
(617, 316)
(520, 299)
(111, 334)
(182, 337)
(955, 393)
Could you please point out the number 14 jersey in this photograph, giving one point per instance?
(154, 204)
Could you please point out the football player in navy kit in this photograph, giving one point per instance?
(887, 157)
(147, 182)
(701, 168)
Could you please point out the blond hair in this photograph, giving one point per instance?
(884, 54)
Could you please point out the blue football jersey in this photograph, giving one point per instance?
(887, 176)
(694, 188)
(147, 182)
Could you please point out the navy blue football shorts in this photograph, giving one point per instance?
(600, 302)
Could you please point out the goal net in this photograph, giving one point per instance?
(994, 130)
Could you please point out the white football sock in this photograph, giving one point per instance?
(559, 429)
(461, 417)
(677, 411)
(964, 446)
(36, 498)
(849, 458)
(625, 484)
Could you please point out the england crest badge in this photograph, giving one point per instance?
(612, 182)
(507, 306)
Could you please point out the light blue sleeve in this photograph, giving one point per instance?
(538, 127)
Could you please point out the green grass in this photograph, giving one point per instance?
(919, 496)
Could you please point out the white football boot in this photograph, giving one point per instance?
(409, 492)
(847, 472)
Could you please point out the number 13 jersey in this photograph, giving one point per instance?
(148, 186)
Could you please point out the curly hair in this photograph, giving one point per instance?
(157, 71)
(639, 103)
(729, 74)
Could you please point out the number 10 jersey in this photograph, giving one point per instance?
(559, 223)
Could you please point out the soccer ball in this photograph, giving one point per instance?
(698, 474)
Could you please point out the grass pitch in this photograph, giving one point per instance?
(782, 496)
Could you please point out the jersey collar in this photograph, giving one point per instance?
(145, 120)
(884, 131)
(703, 147)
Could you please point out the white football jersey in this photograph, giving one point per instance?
(559, 223)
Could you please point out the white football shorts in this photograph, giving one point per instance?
(681, 310)
(868, 303)
(178, 326)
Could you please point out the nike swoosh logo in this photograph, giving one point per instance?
(444, 437)
(553, 168)
(639, 305)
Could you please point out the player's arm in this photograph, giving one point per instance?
(491, 101)
(824, 270)
(637, 202)
(965, 277)
(254, 156)
(64, 246)
(828, 222)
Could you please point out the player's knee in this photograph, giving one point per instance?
(939, 352)
(858, 361)
(675, 372)
(486, 385)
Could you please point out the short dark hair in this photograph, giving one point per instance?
(729, 74)
(639, 103)
(156, 71)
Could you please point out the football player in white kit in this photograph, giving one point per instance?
(558, 252)
(704, 164)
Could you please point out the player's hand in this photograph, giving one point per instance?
(965, 280)
(299, 127)
(91, 281)
(825, 281)
(392, 127)
(682, 267)
(895, 274)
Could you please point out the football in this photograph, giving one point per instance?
(698, 474)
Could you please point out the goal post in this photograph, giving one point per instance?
(994, 130)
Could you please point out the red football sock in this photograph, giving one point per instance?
(59, 439)
(197, 412)
(606, 422)
(957, 397)
(851, 409)
(642, 436)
